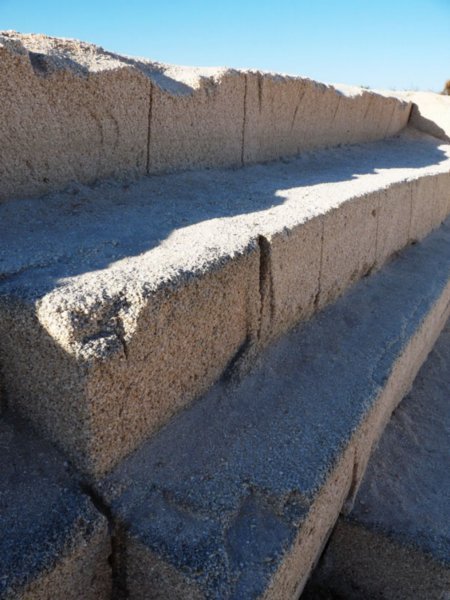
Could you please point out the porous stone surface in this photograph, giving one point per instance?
(72, 111)
(196, 119)
(53, 542)
(395, 543)
(288, 115)
(121, 303)
(69, 112)
(236, 496)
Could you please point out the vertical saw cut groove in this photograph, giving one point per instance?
(117, 570)
(354, 485)
(244, 121)
(319, 282)
(260, 92)
(294, 117)
(411, 189)
(366, 112)
(121, 336)
(336, 111)
(265, 285)
(378, 209)
(149, 130)
(410, 114)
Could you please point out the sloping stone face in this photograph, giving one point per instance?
(430, 113)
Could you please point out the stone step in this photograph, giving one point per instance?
(236, 496)
(53, 542)
(120, 304)
(72, 111)
(395, 543)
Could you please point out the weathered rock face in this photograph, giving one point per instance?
(72, 111)
(237, 495)
(53, 541)
(69, 112)
(121, 304)
(395, 543)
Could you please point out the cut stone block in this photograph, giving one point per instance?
(70, 112)
(111, 360)
(53, 542)
(349, 245)
(395, 543)
(430, 199)
(237, 495)
(119, 304)
(74, 112)
(196, 121)
(394, 221)
(288, 115)
(290, 276)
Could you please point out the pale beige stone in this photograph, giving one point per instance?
(108, 330)
(73, 111)
(148, 577)
(290, 277)
(339, 491)
(68, 119)
(82, 571)
(197, 125)
(250, 478)
(349, 245)
(141, 357)
(394, 216)
(383, 568)
(289, 115)
(425, 206)
(430, 112)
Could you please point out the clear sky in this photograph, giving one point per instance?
(397, 44)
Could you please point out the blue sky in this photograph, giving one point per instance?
(397, 44)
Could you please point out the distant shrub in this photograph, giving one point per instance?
(446, 90)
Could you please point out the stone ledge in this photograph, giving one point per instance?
(74, 112)
(395, 543)
(237, 495)
(119, 305)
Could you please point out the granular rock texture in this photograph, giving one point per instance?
(121, 303)
(237, 495)
(395, 543)
(53, 542)
(72, 111)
